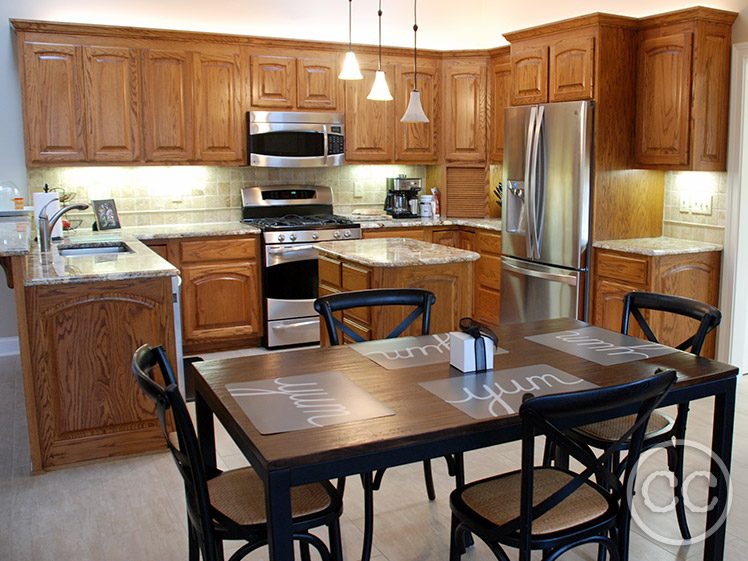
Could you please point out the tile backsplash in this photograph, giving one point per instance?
(147, 196)
(681, 185)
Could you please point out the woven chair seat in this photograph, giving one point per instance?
(498, 500)
(240, 495)
(612, 429)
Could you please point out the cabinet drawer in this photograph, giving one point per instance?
(356, 279)
(623, 267)
(488, 271)
(329, 271)
(218, 250)
(489, 243)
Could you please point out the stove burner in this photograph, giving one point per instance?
(291, 221)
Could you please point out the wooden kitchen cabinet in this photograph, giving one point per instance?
(487, 277)
(304, 80)
(413, 233)
(529, 74)
(417, 142)
(81, 341)
(692, 275)
(682, 90)
(220, 293)
(501, 91)
(465, 88)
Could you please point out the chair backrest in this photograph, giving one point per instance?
(422, 299)
(186, 451)
(551, 415)
(707, 316)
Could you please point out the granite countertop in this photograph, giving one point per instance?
(52, 268)
(369, 222)
(191, 230)
(15, 235)
(658, 246)
(395, 252)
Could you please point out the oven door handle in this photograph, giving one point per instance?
(286, 254)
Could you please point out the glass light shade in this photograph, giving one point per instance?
(414, 113)
(380, 91)
(350, 69)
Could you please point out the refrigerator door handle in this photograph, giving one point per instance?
(566, 279)
(533, 222)
(528, 182)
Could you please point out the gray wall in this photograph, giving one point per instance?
(740, 27)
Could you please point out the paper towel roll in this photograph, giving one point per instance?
(41, 199)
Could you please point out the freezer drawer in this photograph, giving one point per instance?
(530, 292)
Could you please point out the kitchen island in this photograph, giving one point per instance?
(397, 263)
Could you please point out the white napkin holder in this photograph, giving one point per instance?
(462, 351)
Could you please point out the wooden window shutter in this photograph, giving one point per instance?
(467, 192)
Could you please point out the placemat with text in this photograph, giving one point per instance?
(601, 345)
(408, 352)
(306, 401)
(497, 393)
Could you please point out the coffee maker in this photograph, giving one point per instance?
(402, 197)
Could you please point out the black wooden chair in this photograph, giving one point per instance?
(662, 430)
(230, 505)
(554, 509)
(327, 307)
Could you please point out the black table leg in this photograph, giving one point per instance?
(205, 431)
(722, 428)
(278, 505)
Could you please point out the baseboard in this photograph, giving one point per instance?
(9, 346)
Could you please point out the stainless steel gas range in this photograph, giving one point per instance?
(292, 219)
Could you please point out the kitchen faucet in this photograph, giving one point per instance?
(47, 224)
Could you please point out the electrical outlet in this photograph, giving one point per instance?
(701, 203)
(685, 203)
(358, 189)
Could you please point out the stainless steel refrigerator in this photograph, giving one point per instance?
(546, 211)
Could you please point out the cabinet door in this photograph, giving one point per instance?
(487, 277)
(450, 238)
(663, 93)
(417, 142)
(317, 84)
(501, 88)
(608, 304)
(368, 124)
(220, 301)
(467, 240)
(53, 103)
(273, 82)
(465, 110)
(530, 73)
(112, 90)
(167, 106)
(571, 71)
(218, 117)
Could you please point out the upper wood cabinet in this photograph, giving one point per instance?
(368, 124)
(682, 90)
(553, 69)
(417, 142)
(501, 91)
(305, 80)
(81, 103)
(465, 87)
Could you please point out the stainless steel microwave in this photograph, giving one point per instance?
(286, 139)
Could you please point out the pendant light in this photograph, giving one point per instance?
(380, 91)
(414, 113)
(350, 69)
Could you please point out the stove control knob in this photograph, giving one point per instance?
(292, 237)
(315, 236)
(281, 237)
(336, 234)
(347, 234)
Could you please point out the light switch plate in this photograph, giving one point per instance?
(685, 203)
(358, 189)
(701, 203)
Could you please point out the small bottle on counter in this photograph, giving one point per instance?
(427, 206)
(436, 212)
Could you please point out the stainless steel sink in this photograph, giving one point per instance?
(85, 250)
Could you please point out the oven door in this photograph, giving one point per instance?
(290, 287)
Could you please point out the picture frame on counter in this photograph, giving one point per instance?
(106, 215)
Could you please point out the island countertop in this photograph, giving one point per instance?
(395, 252)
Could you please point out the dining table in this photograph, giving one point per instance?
(413, 420)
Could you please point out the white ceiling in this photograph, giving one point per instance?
(443, 24)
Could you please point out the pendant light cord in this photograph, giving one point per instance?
(379, 13)
(415, 49)
(349, 24)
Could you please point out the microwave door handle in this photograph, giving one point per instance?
(325, 143)
(528, 180)
(538, 182)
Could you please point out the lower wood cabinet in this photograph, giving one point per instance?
(86, 404)
(413, 233)
(692, 275)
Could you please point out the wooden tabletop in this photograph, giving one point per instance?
(420, 416)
